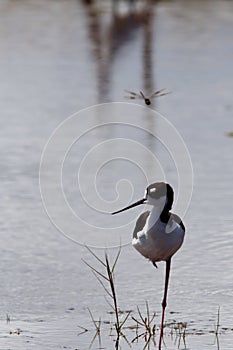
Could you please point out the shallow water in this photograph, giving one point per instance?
(52, 65)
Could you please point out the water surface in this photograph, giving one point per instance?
(58, 57)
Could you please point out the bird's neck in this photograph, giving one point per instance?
(158, 213)
(154, 216)
(165, 215)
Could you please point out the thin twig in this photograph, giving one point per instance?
(113, 292)
(114, 264)
(97, 327)
(92, 268)
(92, 253)
(102, 284)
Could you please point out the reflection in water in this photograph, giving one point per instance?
(109, 39)
(45, 62)
(110, 33)
(148, 49)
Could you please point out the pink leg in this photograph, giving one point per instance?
(164, 302)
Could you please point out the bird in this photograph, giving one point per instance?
(134, 95)
(158, 232)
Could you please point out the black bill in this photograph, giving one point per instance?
(141, 201)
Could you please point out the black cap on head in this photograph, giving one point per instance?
(160, 189)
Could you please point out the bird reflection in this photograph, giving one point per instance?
(110, 37)
(134, 95)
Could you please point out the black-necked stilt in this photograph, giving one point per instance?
(134, 95)
(158, 233)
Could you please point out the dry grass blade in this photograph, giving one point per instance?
(97, 334)
(140, 314)
(149, 319)
(97, 326)
(125, 319)
(93, 269)
(147, 343)
(145, 322)
(110, 276)
(138, 322)
(125, 338)
(102, 284)
(217, 329)
(116, 259)
(84, 330)
(107, 301)
(138, 336)
(218, 322)
(97, 258)
(148, 313)
(110, 289)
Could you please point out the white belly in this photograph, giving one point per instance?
(159, 242)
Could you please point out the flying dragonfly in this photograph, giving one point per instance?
(134, 95)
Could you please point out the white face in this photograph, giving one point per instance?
(151, 200)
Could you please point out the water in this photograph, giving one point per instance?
(51, 67)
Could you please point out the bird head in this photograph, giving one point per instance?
(158, 194)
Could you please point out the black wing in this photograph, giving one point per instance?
(178, 220)
(132, 95)
(160, 93)
(140, 223)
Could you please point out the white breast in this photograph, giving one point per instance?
(158, 241)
